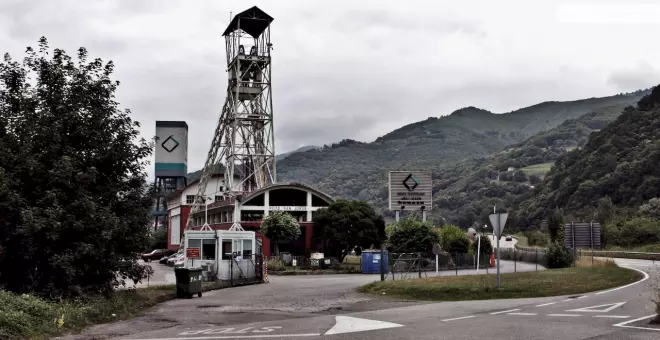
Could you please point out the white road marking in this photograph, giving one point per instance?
(281, 336)
(567, 300)
(582, 297)
(571, 315)
(599, 308)
(546, 304)
(505, 311)
(612, 316)
(523, 314)
(625, 324)
(461, 318)
(347, 324)
(230, 330)
(646, 277)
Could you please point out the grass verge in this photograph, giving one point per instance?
(28, 317)
(621, 254)
(566, 281)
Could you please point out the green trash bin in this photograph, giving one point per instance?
(325, 263)
(188, 282)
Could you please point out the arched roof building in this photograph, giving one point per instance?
(299, 200)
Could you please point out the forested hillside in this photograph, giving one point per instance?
(357, 170)
(466, 193)
(619, 162)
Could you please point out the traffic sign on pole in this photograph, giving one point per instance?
(498, 221)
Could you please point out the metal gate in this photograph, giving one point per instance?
(248, 269)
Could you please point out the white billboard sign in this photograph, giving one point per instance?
(410, 190)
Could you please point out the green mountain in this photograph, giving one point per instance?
(620, 161)
(195, 175)
(468, 192)
(300, 149)
(357, 170)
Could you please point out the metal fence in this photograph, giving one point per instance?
(537, 256)
(246, 269)
(409, 265)
(304, 261)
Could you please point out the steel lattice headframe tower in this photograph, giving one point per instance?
(244, 140)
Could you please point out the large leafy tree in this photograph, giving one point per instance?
(346, 224)
(411, 235)
(74, 204)
(280, 226)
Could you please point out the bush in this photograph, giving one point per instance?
(275, 265)
(559, 256)
(411, 235)
(634, 232)
(536, 238)
(454, 240)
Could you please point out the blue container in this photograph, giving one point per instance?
(371, 262)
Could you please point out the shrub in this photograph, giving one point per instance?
(275, 265)
(411, 235)
(559, 256)
(536, 238)
(454, 240)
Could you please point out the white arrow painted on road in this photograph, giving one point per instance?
(347, 324)
(598, 309)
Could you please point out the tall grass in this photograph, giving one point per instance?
(30, 317)
(588, 262)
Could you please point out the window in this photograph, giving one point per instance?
(247, 248)
(208, 249)
(190, 199)
(194, 243)
(175, 227)
(218, 198)
(226, 249)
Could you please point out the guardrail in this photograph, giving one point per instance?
(621, 254)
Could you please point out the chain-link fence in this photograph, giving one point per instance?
(410, 265)
(537, 256)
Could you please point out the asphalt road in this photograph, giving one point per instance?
(328, 307)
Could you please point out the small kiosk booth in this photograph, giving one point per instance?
(233, 255)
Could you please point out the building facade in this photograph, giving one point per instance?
(299, 200)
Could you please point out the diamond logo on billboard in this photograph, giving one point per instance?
(410, 182)
(170, 144)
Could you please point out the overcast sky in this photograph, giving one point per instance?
(351, 69)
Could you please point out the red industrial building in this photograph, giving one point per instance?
(249, 209)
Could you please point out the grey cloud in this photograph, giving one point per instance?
(642, 75)
(340, 70)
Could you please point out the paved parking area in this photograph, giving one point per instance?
(163, 275)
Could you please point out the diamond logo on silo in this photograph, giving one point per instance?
(410, 182)
(170, 144)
